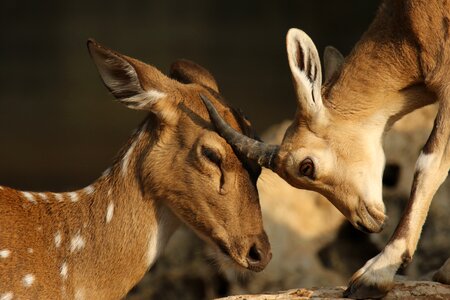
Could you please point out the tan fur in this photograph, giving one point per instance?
(400, 64)
(161, 178)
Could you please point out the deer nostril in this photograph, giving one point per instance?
(254, 255)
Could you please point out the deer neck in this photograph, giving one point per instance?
(109, 233)
(379, 83)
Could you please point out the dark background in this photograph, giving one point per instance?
(59, 128)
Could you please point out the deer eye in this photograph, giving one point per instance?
(211, 155)
(307, 168)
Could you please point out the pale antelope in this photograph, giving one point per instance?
(97, 242)
(334, 144)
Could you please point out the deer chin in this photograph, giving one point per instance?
(228, 264)
(227, 259)
(369, 219)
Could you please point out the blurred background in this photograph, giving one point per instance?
(59, 127)
(58, 124)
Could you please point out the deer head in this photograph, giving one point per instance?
(339, 156)
(186, 165)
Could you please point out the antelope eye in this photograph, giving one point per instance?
(211, 155)
(307, 168)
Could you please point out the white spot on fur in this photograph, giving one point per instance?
(30, 250)
(39, 228)
(58, 239)
(28, 280)
(59, 197)
(29, 196)
(63, 272)
(43, 196)
(109, 192)
(425, 161)
(73, 196)
(5, 253)
(109, 212)
(79, 294)
(77, 243)
(6, 296)
(89, 189)
(1, 188)
(126, 159)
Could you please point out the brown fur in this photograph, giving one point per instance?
(166, 180)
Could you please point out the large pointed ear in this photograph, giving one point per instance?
(186, 71)
(306, 71)
(332, 60)
(132, 82)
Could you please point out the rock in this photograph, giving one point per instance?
(443, 274)
(402, 290)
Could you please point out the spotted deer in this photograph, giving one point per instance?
(334, 144)
(98, 242)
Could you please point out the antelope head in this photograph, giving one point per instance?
(339, 156)
(186, 165)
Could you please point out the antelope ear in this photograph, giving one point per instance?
(186, 71)
(306, 70)
(332, 60)
(132, 82)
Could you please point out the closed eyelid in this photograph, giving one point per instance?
(212, 154)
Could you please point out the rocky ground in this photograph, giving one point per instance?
(402, 290)
(311, 242)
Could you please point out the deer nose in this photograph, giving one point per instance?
(259, 255)
(254, 255)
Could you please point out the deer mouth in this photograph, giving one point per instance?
(370, 219)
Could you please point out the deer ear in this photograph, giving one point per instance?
(132, 82)
(332, 60)
(186, 71)
(306, 70)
